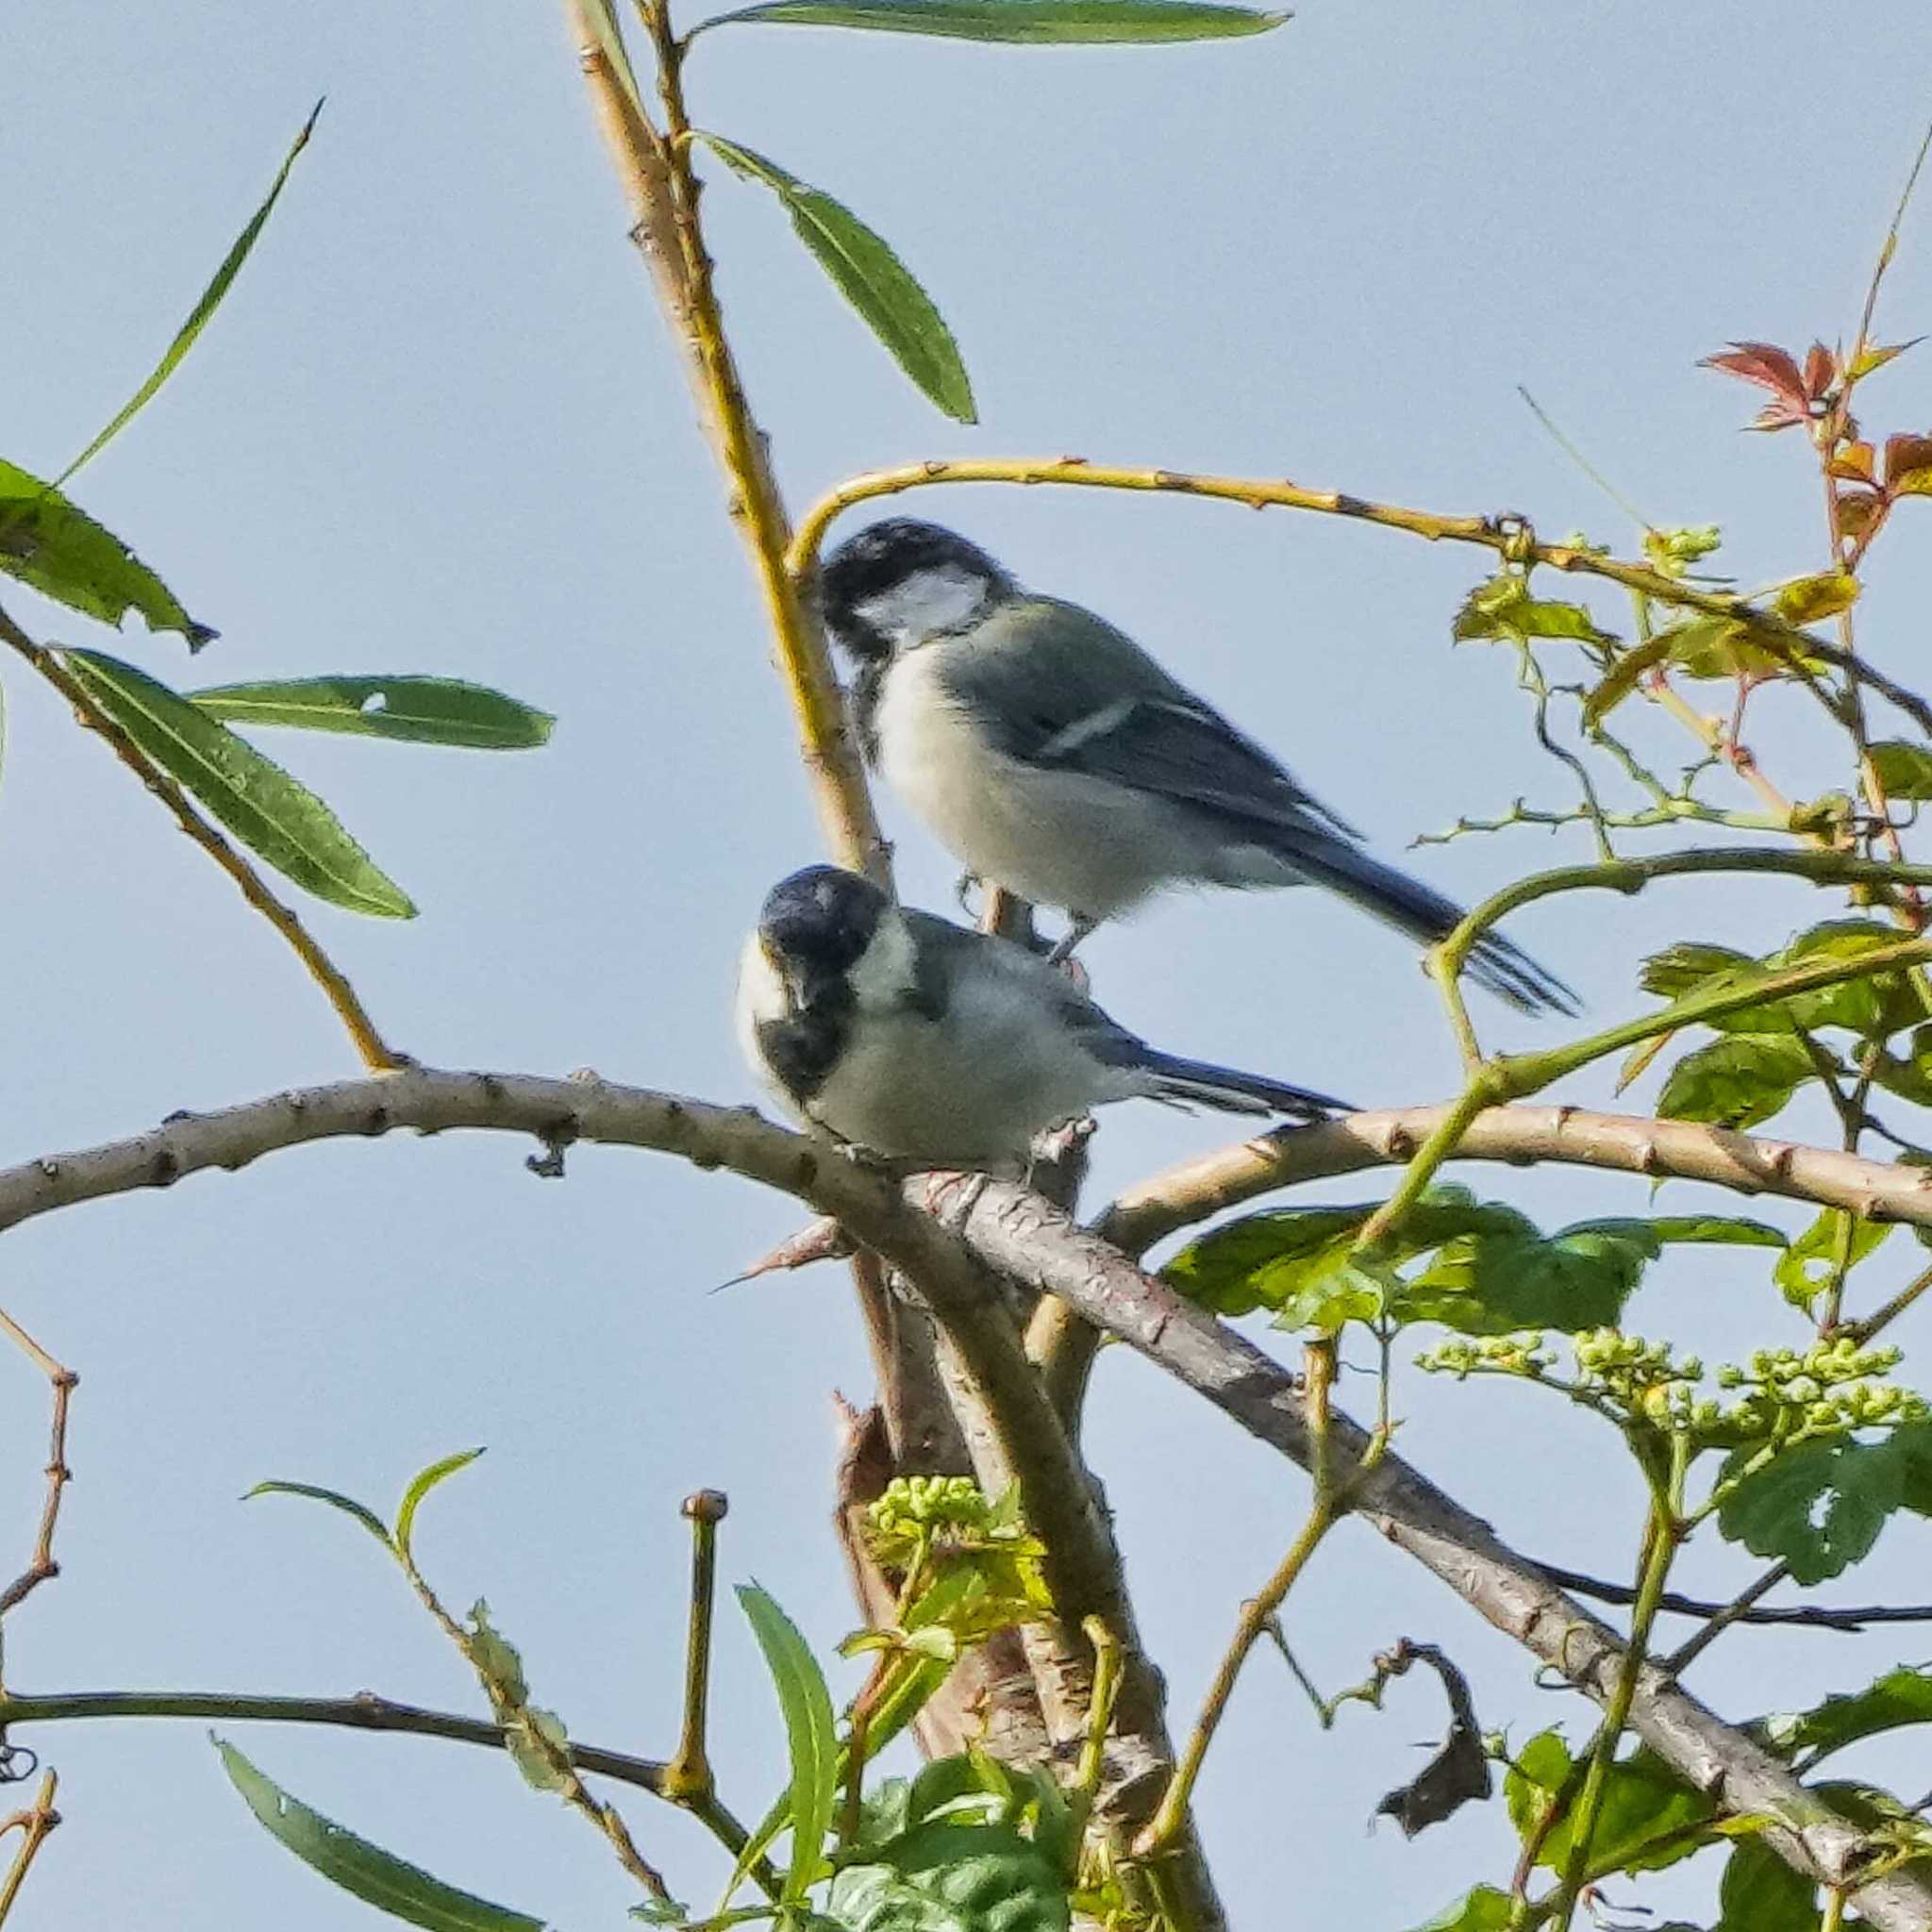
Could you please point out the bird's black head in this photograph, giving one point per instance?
(901, 579)
(815, 928)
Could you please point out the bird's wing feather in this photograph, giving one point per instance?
(1063, 689)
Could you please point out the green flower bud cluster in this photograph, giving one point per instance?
(1829, 1388)
(1825, 1390)
(1672, 552)
(1493, 1355)
(930, 1502)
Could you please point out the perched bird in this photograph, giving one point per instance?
(1054, 757)
(920, 1040)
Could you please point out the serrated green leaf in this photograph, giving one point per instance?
(1804, 1270)
(1538, 1770)
(273, 814)
(1903, 770)
(334, 1498)
(53, 545)
(941, 1878)
(419, 710)
(1820, 1505)
(1899, 1698)
(1502, 608)
(867, 272)
(809, 1732)
(1690, 966)
(204, 310)
(1496, 1284)
(378, 1878)
(1482, 1909)
(1644, 1822)
(420, 1486)
(1017, 22)
(1736, 1081)
(1759, 1892)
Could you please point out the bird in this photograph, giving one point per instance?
(1054, 757)
(919, 1041)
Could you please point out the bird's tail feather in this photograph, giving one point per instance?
(1232, 1091)
(1425, 914)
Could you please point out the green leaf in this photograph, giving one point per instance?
(1819, 1505)
(535, 1739)
(1804, 1270)
(1879, 1006)
(334, 1498)
(205, 309)
(810, 1733)
(1502, 608)
(421, 1486)
(1495, 1284)
(58, 549)
(1911, 1443)
(1722, 1230)
(378, 1878)
(1483, 1910)
(1738, 1081)
(1644, 1825)
(1759, 1892)
(1690, 966)
(941, 1878)
(1899, 1698)
(1903, 770)
(866, 271)
(267, 809)
(423, 710)
(1805, 600)
(1017, 22)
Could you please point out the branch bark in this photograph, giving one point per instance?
(998, 1233)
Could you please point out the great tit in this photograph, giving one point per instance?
(1051, 755)
(919, 1041)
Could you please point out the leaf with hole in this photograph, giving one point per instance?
(377, 1877)
(419, 710)
(55, 547)
(204, 310)
(866, 271)
(334, 1498)
(810, 1734)
(1805, 1269)
(1818, 1507)
(268, 810)
(1017, 23)
(420, 1485)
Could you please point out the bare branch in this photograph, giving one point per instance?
(40, 1564)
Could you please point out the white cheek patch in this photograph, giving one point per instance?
(926, 604)
(882, 975)
(763, 995)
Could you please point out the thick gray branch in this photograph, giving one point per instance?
(999, 1231)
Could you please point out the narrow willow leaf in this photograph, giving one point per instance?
(424, 710)
(267, 809)
(204, 310)
(56, 548)
(1017, 23)
(378, 1878)
(334, 1498)
(810, 1731)
(421, 1486)
(866, 271)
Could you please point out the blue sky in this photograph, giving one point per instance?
(439, 427)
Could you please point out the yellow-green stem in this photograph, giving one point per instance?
(688, 1777)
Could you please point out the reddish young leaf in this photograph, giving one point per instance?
(1854, 464)
(1821, 370)
(1908, 465)
(1765, 365)
(1780, 415)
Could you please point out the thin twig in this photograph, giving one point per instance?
(1737, 1611)
(335, 985)
(34, 1824)
(1850, 1618)
(40, 1564)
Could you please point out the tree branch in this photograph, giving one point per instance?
(1000, 1233)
